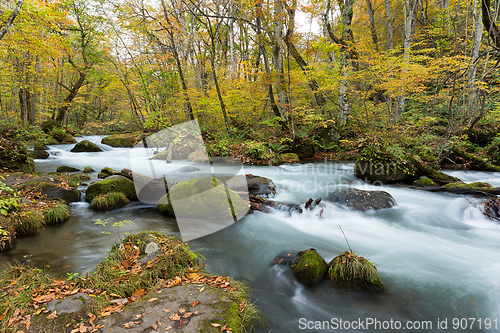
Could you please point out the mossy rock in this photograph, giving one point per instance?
(471, 186)
(121, 140)
(53, 191)
(85, 146)
(290, 158)
(14, 157)
(65, 168)
(88, 169)
(109, 201)
(57, 214)
(38, 154)
(425, 182)
(61, 136)
(40, 146)
(112, 184)
(363, 200)
(198, 156)
(107, 172)
(348, 269)
(384, 170)
(205, 197)
(310, 267)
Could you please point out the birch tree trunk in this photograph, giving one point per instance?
(471, 81)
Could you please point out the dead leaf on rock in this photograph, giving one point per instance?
(155, 327)
(187, 315)
(152, 299)
(175, 317)
(215, 325)
(195, 303)
(168, 328)
(130, 324)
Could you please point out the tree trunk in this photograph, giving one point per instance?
(371, 14)
(476, 46)
(388, 25)
(11, 19)
(63, 109)
(489, 24)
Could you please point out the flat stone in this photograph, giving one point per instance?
(70, 304)
(213, 303)
(152, 247)
(148, 257)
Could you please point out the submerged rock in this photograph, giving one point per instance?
(112, 184)
(363, 200)
(310, 268)
(348, 269)
(85, 146)
(205, 197)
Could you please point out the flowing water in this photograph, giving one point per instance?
(438, 257)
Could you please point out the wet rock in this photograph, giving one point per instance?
(260, 186)
(362, 200)
(65, 168)
(107, 172)
(39, 154)
(88, 169)
(70, 304)
(122, 140)
(264, 205)
(112, 184)
(310, 268)
(204, 197)
(85, 146)
(348, 269)
(286, 259)
(425, 182)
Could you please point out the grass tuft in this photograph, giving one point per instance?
(57, 214)
(109, 201)
(28, 222)
(350, 269)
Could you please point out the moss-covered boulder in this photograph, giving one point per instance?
(51, 190)
(14, 157)
(290, 158)
(377, 165)
(425, 182)
(107, 172)
(310, 267)
(109, 201)
(85, 146)
(348, 269)
(112, 184)
(38, 154)
(122, 140)
(478, 186)
(362, 200)
(88, 169)
(203, 198)
(61, 136)
(65, 168)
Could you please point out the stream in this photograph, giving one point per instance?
(437, 255)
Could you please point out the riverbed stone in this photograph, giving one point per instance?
(85, 146)
(70, 304)
(107, 172)
(214, 307)
(127, 140)
(362, 200)
(39, 154)
(65, 168)
(112, 184)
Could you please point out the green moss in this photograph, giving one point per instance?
(471, 186)
(74, 180)
(88, 169)
(121, 140)
(85, 146)
(205, 197)
(65, 168)
(425, 182)
(109, 201)
(112, 184)
(349, 269)
(106, 172)
(38, 154)
(61, 136)
(290, 158)
(57, 214)
(310, 268)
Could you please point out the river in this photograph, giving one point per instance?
(438, 257)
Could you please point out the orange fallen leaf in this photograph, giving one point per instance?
(182, 310)
(53, 315)
(175, 317)
(152, 299)
(168, 328)
(130, 324)
(195, 303)
(166, 310)
(187, 315)
(155, 327)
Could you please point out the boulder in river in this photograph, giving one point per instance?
(65, 168)
(52, 191)
(107, 172)
(310, 268)
(127, 140)
(112, 184)
(202, 198)
(476, 186)
(85, 146)
(39, 154)
(88, 169)
(362, 200)
(348, 269)
(425, 182)
(109, 201)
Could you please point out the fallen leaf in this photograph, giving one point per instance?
(175, 317)
(203, 288)
(159, 322)
(152, 299)
(182, 310)
(187, 315)
(138, 292)
(215, 325)
(53, 315)
(168, 328)
(166, 310)
(130, 324)
(195, 303)
(155, 327)
(159, 291)
(223, 328)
